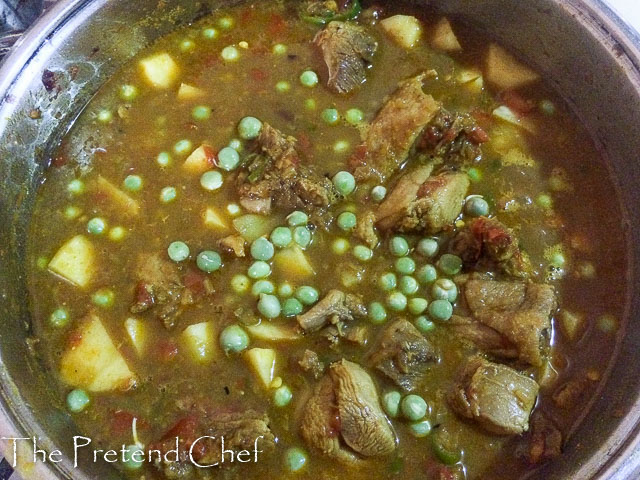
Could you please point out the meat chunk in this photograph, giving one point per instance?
(366, 230)
(403, 354)
(344, 419)
(544, 440)
(334, 307)
(394, 131)
(486, 243)
(568, 396)
(496, 396)
(274, 176)
(233, 244)
(348, 51)
(420, 203)
(159, 290)
(310, 362)
(519, 312)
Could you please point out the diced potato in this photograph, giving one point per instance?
(75, 261)
(293, 263)
(137, 331)
(505, 114)
(444, 38)
(201, 159)
(128, 205)
(505, 72)
(160, 70)
(466, 76)
(403, 29)
(213, 219)
(200, 341)
(272, 332)
(263, 363)
(93, 362)
(189, 92)
(252, 226)
(571, 324)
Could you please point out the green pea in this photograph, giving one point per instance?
(347, 221)
(292, 307)
(362, 253)
(187, 45)
(440, 310)
(134, 458)
(235, 144)
(163, 159)
(262, 249)
(133, 183)
(387, 281)
(285, 289)
(474, 174)
(282, 396)
(201, 112)
(408, 285)
(330, 116)
(378, 193)
(297, 219)
(344, 182)
(420, 429)
(476, 206)
(607, 323)
(211, 180)
(302, 236)
(103, 298)
(547, 107)
(424, 324)
(307, 295)
(450, 264)
(77, 400)
(234, 339)
(72, 212)
(417, 305)
(259, 269)
(96, 226)
(168, 194)
(281, 237)
(128, 92)
(309, 78)
(230, 53)
(310, 104)
(427, 247)
(178, 251)
(377, 313)
(210, 33)
(249, 128)
(405, 265)
(226, 23)
(391, 403)
(413, 407)
(444, 289)
(42, 262)
(341, 146)
(340, 246)
(105, 116)
(209, 261)
(234, 209)
(354, 116)
(59, 317)
(269, 306)
(398, 246)
(262, 286)
(283, 86)
(426, 274)
(396, 301)
(182, 147)
(76, 187)
(296, 459)
(240, 283)
(279, 49)
(228, 159)
(545, 201)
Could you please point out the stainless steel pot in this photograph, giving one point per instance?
(591, 57)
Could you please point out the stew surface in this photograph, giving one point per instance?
(367, 238)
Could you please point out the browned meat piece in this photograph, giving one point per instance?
(403, 354)
(545, 439)
(348, 50)
(496, 396)
(343, 419)
(159, 289)
(357, 334)
(454, 138)
(233, 244)
(310, 362)
(241, 431)
(366, 230)
(392, 134)
(274, 176)
(567, 396)
(335, 306)
(485, 338)
(423, 205)
(486, 243)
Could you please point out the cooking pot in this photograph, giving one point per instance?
(583, 49)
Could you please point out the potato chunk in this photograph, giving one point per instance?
(293, 263)
(189, 92)
(214, 220)
(403, 29)
(200, 160)
(137, 331)
(75, 261)
(160, 70)
(200, 341)
(444, 38)
(263, 363)
(118, 198)
(92, 361)
(505, 72)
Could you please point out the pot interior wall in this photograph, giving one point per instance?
(592, 73)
